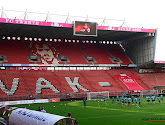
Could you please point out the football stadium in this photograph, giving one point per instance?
(82, 72)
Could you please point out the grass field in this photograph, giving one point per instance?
(98, 113)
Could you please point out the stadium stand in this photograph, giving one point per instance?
(99, 54)
(129, 72)
(116, 51)
(149, 79)
(16, 51)
(89, 80)
(160, 78)
(7, 78)
(73, 52)
(101, 76)
(141, 83)
(92, 66)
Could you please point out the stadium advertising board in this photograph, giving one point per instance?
(54, 100)
(55, 24)
(33, 22)
(24, 102)
(128, 29)
(162, 62)
(85, 28)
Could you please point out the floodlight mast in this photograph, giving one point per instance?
(25, 15)
(47, 18)
(68, 20)
(3, 14)
(104, 22)
(87, 19)
(124, 24)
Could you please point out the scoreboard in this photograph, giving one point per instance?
(85, 28)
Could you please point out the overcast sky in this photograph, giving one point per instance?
(139, 13)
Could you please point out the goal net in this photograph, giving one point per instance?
(149, 93)
(97, 95)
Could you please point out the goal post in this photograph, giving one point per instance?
(97, 95)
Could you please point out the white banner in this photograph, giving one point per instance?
(22, 116)
(24, 102)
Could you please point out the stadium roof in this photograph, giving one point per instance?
(12, 27)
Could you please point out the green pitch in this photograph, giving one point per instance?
(99, 113)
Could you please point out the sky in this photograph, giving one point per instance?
(136, 13)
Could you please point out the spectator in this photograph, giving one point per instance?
(43, 110)
(39, 109)
(69, 121)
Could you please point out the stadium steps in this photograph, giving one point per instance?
(129, 72)
(83, 50)
(8, 81)
(16, 51)
(31, 54)
(86, 55)
(61, 77)
(107, 51)
(149, 79)
(117, 72)
(116, 51)
(122, 49)
(53, 78)
(120, 85)
(58, 52)
(145, 86)
(31, 79)
(100, 76)
(98, 53)
(73, 52)
(160, 78)
(90, 85)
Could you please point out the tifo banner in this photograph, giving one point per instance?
(55, 24)
(130, 83)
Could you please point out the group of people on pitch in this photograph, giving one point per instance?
(126, 101)
(153, 98)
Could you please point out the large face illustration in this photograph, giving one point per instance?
(45, 51)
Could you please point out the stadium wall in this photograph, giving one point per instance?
(140, 50)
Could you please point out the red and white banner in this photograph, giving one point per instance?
(130, 83)
(33, 22)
